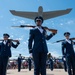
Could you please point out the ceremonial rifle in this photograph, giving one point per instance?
(10, 40)
(31, 26)
(64, 40)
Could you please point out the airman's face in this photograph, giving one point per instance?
(67, 36)
(38, 22)
(19, 55)
(5, 37)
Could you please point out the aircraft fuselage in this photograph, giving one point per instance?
(40, 11)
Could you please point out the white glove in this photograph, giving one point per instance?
(64, 59)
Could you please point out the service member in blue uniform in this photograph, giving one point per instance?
(51, 62)
(29, 63)
(5, 52)
(39, 48)
(19, 62)
(68, 52)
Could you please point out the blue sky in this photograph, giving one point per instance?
(62, 23)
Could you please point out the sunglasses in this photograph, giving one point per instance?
(5, 36)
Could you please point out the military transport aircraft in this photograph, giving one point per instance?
(45, 15)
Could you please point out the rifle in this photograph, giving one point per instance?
(64, 40)
(10, 40)
(31, 26)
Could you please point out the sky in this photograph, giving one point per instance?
(61, 23)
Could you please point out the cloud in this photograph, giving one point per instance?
(14, 22)
(61, 24)
(26, 42)
(69, 22)
(22, 22)
(20, 37)
(14, 19)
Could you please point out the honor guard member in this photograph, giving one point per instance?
(19, 62)
(51, 62)
(39, 48)
(29, 63)
(68, 52)
(5, 52)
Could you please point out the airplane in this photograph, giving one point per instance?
(45, 15)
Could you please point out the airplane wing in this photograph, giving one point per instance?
(52, 14)
(45, 15)
(30, 15)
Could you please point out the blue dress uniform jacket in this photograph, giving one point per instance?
(39, 41)
(68, 52)
(67, 49)
(20, 59)
(5, 49)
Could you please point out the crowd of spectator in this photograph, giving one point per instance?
(13, 64)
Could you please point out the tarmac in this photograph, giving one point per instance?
(27, 72)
